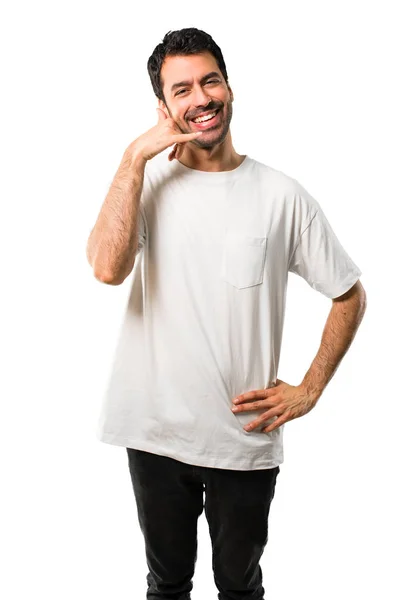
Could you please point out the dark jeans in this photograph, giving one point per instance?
(169, 499)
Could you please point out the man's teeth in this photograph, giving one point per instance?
(206, 118)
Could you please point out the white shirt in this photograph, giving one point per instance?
(205, 314)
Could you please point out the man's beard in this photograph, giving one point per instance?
(212, 137)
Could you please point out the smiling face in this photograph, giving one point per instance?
(193, 85)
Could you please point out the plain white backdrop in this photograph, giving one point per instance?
(316, 96)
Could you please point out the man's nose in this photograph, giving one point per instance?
(201, 98)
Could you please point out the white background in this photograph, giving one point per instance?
(316, 96)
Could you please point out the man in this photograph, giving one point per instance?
(194, 394)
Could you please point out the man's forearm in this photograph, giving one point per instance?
(112, 244)
(341, 326)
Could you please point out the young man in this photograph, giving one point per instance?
(212, 235)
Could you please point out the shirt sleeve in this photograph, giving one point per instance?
(320, 258)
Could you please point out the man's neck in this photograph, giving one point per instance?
(220, 158)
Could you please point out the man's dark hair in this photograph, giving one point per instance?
(180, 43)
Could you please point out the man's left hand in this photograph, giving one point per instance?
(284, 401)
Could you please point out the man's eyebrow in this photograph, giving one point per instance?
(182, 83)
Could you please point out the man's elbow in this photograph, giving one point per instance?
(111, 277)
(359, 290)
(356, 296)
(108, 278)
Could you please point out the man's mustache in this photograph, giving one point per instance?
(208, 108)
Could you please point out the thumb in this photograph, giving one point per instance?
(161, 115)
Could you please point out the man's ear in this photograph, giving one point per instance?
(231, 93)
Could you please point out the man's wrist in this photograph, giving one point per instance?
(135, 156)
(311, 389)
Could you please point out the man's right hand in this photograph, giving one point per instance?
(160, 137)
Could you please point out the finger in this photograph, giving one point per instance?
(253, 395)
(178, 150)
(175, 151)
(186, 137)
(161, 115)
(277, 423)
(172, 154)
(253, 406)
(271, 414)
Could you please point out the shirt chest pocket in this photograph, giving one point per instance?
(243, 259)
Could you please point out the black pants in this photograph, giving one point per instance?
(169, 499)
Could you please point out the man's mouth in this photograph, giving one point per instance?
(207, 120)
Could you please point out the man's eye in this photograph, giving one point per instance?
(209, 81)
